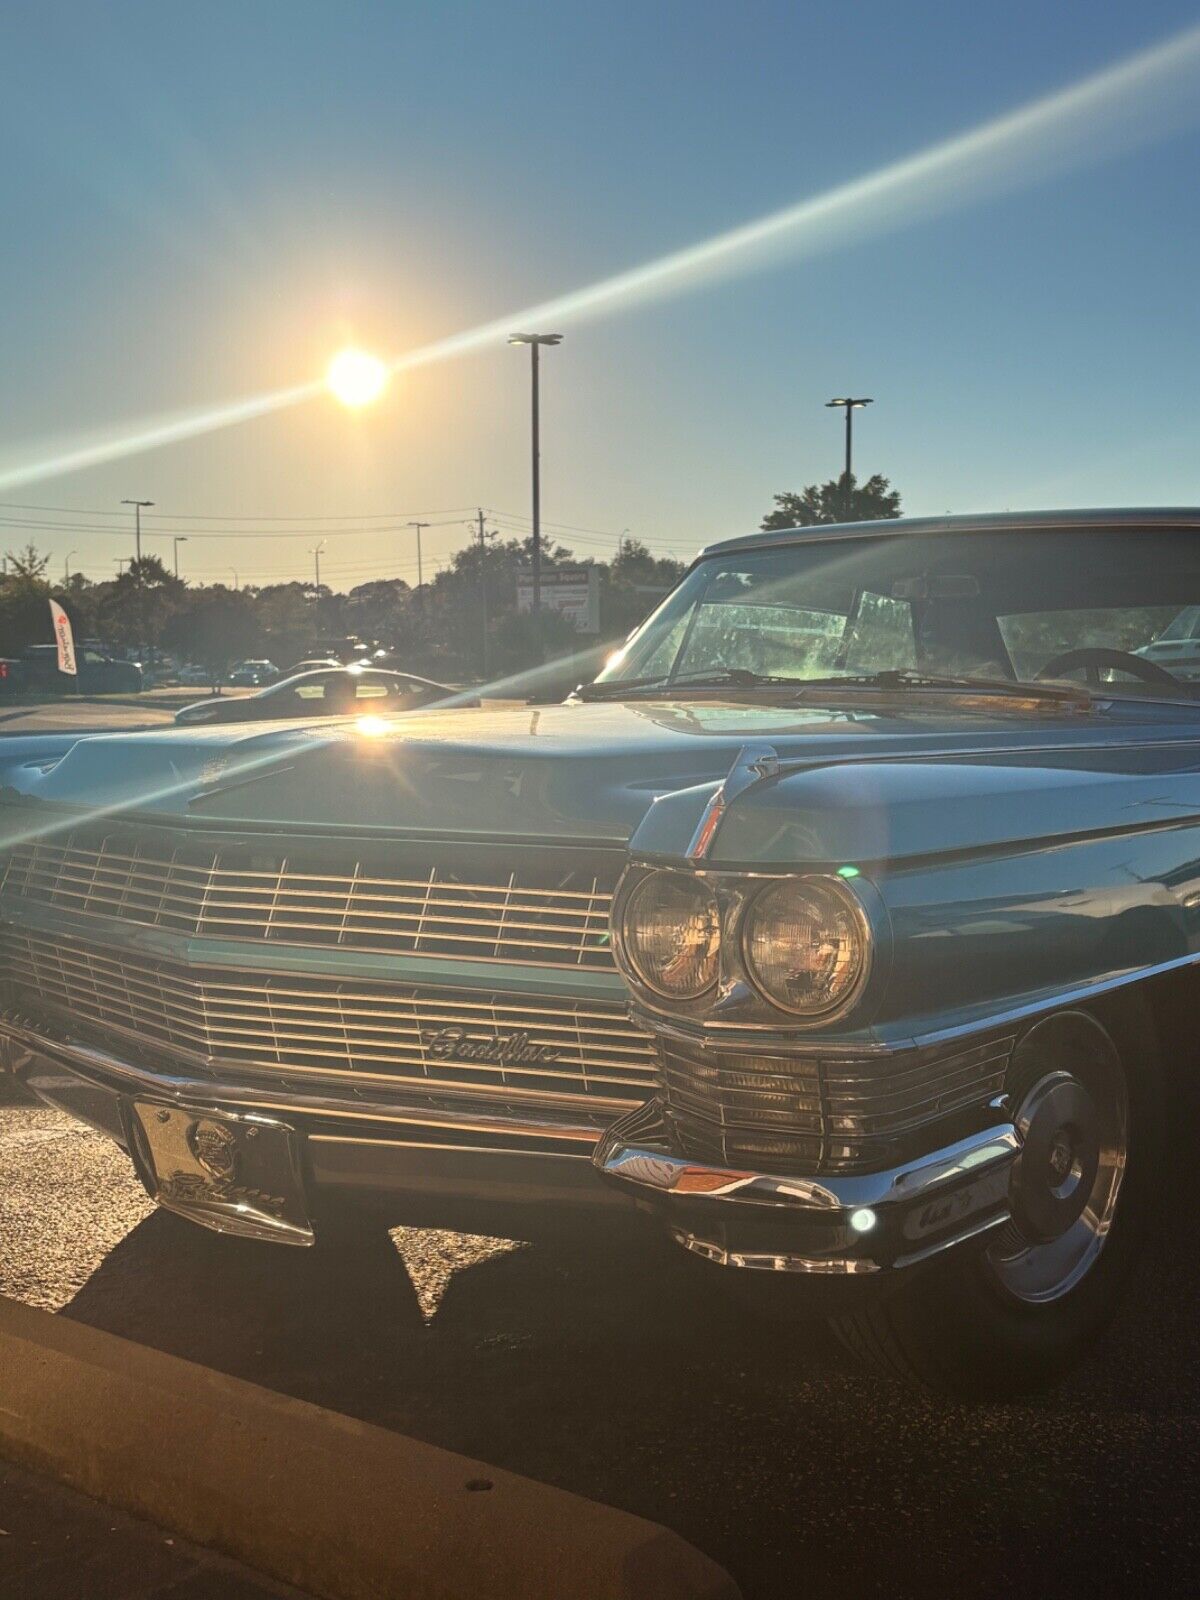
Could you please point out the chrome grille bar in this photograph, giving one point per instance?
(236, 893)
(812, 1113)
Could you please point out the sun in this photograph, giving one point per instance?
(355, 377)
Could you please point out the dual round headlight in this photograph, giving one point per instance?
(804, 941)
(672, 931)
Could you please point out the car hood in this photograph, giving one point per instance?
(865, 781)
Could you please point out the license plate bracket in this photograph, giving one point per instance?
(235, 1174)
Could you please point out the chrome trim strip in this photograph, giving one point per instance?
(753, 764)
(771, 1260)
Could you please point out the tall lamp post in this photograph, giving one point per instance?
(137, 534)
(178, 539)
(67, 568)
(535, 342)
(420, 569)
(137, 523)
(850, 404)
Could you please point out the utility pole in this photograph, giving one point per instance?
(420, 570)
(137, 527)
(535, 342)
(483, 594)
(316, 555)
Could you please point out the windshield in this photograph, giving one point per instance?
(994, 604)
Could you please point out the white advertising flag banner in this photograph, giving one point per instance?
(64, 639)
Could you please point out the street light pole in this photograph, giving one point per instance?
(137, 526)
(316, 555)
(67, 567)
(483, 592)
(850, 404)
(420, 570)
(179, 538)
(535, 341)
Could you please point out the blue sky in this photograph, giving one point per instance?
(204, 201)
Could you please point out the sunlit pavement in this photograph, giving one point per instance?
(629, 1377)
(67, 714)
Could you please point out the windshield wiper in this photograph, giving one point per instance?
(907, 678)
(724, 678)
(891, 678)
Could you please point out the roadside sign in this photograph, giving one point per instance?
(64, 639)
(573, 592)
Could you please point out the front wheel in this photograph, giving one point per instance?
(1016, 1317)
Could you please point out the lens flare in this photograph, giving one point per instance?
(1144, 97)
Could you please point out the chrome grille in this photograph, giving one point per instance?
(815, 1113)
(397, 901)
(363, 1032)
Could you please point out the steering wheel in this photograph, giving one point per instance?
(1093, 657)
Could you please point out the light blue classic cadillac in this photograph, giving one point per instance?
(846, 926)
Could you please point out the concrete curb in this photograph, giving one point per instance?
(336, 1506)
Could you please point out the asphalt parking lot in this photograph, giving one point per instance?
(625, 1374)
(97, 713)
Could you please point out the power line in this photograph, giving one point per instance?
(213, 516)
(165, 530)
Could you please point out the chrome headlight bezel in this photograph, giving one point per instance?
(849, 903)
(626, 946)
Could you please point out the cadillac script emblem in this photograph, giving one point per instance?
(500, 1049)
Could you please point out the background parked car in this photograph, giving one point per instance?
(12, 675)
(1177, 647)
(98, 674)
(254, 674)
(331, 692)
(313, 664)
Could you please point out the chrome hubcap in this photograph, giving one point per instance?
(1065, 1181)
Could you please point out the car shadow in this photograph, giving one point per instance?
(626, 1372)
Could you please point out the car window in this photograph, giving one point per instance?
(1186, 625)
(758, 637)
(309, 691)
(1036, 637)
(373, 690)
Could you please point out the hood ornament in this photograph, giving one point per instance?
(754, 764)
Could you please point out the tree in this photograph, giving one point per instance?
(27, 563)
(24, 613)
(632, 585)
(134, 608)
(215, 627)
(840, 500)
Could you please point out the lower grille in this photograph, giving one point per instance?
(817, 1114)
(502, 1046)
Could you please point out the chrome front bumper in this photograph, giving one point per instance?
(472, 1167)
(852, 1224)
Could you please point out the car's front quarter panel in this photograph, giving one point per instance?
(1000, 896)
